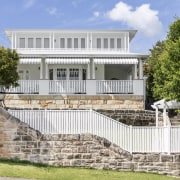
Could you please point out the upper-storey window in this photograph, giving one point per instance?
(22, 42)
(105, 43)
(38, 42)
(62, 42)
(82, 42)
(75, 42)
(69, 43)
(30, 42)
(46, 42)
(98, 42)
(118, 43)
(111, 43)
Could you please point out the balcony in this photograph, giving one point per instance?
(71, 51)
(89, 87)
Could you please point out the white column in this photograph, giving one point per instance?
(91, 41)
(46, 76)
(12, 40)
(53, 40)
(15, 41)
(140, 69)
(41, 69)
(93, 70)
(88, 71)
(135, 71)
(156, 116)
(50, 41)
(164, 116)
(80, 73)
(127, 42)
(87, 41)
(125, 48)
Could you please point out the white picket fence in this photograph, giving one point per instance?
(115, 86)
(130, 138)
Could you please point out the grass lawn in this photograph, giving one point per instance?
(23, 170)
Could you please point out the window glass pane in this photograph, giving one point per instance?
(106, 43)
(118, 43)
(82, 42)
(61, 74)
(38, 42)
(46, 42)
(62, 43)
(22, 43)
(74, 74)
(30, 42)
(75, 42)
(69, 43)
(98, 43)
(111, 43)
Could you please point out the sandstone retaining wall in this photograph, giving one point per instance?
(133, 117)
(84, 150)
(75, 101)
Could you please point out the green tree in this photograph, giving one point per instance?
(164, 66)
(8, 67)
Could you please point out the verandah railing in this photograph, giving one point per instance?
(67, 86)
(25, 87)
(130, 138)
(73, 87)
(114, 86)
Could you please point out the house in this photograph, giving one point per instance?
(86, 62)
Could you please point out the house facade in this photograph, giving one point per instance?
(86, 62)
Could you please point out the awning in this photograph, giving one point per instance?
(67, 61)
(30, 60)
(115, 60)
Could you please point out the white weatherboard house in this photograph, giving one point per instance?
(90, 62)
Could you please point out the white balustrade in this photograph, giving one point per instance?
(67, 87)
(25, 87)
(114, 86)
(131, 138)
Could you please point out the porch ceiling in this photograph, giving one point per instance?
(115, 60)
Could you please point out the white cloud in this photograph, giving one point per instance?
(143, 18)
(29, 3)
(52, 11)
(96, 14)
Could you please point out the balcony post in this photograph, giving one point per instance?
(41, 70)
(93, 70)
(46, 76)
(135, 71)
(43, 87)
(140, 69)
(88, 71)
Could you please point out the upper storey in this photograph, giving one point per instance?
(57, 41)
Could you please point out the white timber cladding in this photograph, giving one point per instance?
(72, 39)
(115, 60)
(67, 60)
(30, 60)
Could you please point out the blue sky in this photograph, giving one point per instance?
(151, 18)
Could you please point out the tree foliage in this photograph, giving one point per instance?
(8, 67)
(164, 66)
